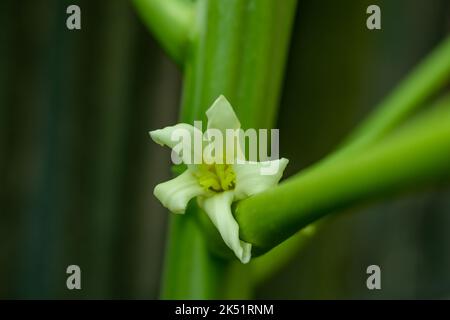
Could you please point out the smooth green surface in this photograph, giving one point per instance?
(425, 80)
(171, 23)
(191, 271)
(416, 154)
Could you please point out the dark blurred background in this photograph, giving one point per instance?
(77, 168)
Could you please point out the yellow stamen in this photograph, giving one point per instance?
(216, 177)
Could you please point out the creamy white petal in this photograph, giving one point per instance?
(221, 115)
(255, 177)
(181, 138)
(176, 193)
(218, 208)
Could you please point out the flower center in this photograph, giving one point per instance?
(216, 177)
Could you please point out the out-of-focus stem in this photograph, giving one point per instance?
(430, 76)
(171, 22)
(414, 155)
(422, 83)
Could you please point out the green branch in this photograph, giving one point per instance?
(414, 155)
(171, 22)
(424, 81)
(419, 85)
(430, 76)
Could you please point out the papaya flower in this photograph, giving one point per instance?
(216, 179)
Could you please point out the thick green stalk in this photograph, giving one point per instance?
(171, 22)
(190, 271)
(415, 154)
(239, 49)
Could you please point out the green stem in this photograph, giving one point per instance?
(422, 83)
(190, 272)
(171, 21)
(263, 267)
(238, 50)
(415, 154)
(430, 76)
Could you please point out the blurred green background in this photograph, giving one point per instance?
(77, 168)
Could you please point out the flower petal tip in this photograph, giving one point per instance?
(283, 164)
(176, 193)
(155, 135)
(246, 252)
(221, 115)
(160, 193)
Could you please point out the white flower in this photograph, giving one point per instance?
(219, 184)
